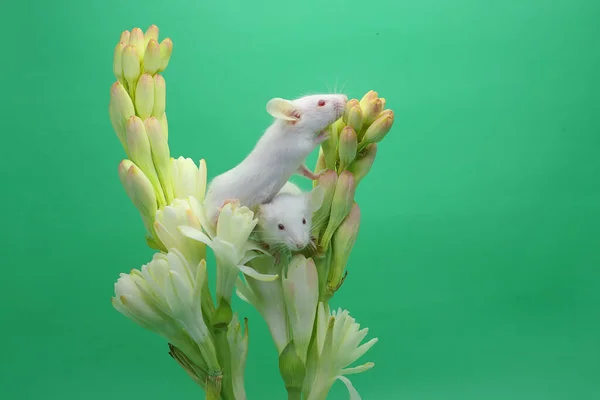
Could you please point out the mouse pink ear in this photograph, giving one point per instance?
(282, 109)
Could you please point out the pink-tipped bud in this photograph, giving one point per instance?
(349, 105)
(144, 96)
(347, 146)
(377, 131)
(362, 165)
(166, 48)
(342, 201)
(152, 58)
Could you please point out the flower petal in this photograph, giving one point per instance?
(256, 275)
(359, 352)
(357, 370)
(353, 393)
(195, 234)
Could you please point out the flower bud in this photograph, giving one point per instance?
(319, 219)
(382, 102)
(152, 57)
(330, 146)
(131, 66)
(347, 146)
(371, 110)
(301, 295)
(141, 154)
(341, 204)
(291, 368)
(349, 105)
(165, 125)
(150, 34)
(139, 190)
(342, 242)
(160, 96)
(321, 164)
(124, 37)
(362, 165)
(120, 109)
(160, 156)
(144, 96)
(377, 131)
(136, 40)
(118, 62)
(223, 315)
(166, 48)
(370, 95)
(356, 118)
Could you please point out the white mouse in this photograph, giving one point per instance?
(286, 221)
(280, 153)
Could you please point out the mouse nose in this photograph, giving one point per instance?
(299, 246)
(345, 98)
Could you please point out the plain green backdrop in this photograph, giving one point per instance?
(477, 261)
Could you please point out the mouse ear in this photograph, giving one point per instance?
(282, 109)
(315, 198)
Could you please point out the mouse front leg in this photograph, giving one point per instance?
(304, 171)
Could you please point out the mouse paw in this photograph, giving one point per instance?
(323, 136)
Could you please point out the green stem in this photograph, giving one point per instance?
(224, 357)
(213, 388)
(294, 394)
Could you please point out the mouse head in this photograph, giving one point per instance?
(287, 219)
(313, 113)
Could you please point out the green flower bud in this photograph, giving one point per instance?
(362, 165)
(161, 156)
(291, 368)
(140, 191)
(329, 146)
(371, 110)
(341, 204)
(144, 96)
(160, 96)
(370, 95)
(125, 37)
(377, 131)
(118, 62)
(321, 164)
(223, 315)
(141, 154)
(356, 118)
(349, 106)
(152, 58)
(319, 219)
(165, 125)
(120, 109)
(166, 48)
(347, 147)
(131, 66)
(136, 40)
(150, 34)
(342, 243)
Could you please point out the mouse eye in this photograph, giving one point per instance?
(281, 227)
(304, 221)
(321, 103)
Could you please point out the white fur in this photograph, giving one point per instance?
(278, 154)
(290, 208)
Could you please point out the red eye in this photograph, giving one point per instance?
(304, 221)
(281, 227)
(321, 103)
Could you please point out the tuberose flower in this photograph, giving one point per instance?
(336, 347)
(230, 244)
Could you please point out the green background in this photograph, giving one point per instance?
(477, 261)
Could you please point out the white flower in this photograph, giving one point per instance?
(230, 243)
(164, 297)
(168, 220)
(238, 348)
(301, 294)
(267, 298)
(337, 345)
(188, 180)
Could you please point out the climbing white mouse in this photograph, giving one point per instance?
(298, 129)
(286, 221)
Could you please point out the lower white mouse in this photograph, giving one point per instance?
(298, 129)
(285, 223)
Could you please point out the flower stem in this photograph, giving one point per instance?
(213, 388)
(224, 357)
(294, 394)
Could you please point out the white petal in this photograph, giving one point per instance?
(359, 352)
(195, 234)
(357, 370)
(256, 275)
(353, 393)
(244, 292)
